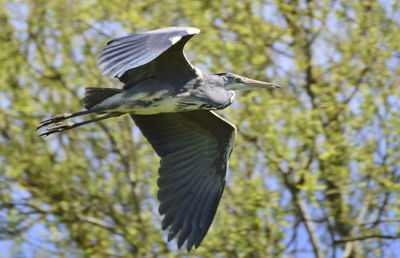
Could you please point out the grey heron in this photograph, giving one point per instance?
(172, 103)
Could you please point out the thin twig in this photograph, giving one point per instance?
(358, 238)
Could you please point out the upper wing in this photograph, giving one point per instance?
(194, 148)
(127, 57)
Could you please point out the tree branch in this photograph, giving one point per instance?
(358, 238)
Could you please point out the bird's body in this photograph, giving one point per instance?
(171, 102)
(153, 96)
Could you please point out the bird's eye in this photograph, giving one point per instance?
(237, 79)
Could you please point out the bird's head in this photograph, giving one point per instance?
(237, 82)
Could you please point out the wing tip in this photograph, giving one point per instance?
(192, 30)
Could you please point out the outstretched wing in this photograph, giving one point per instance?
(146, 54)
(194, 148)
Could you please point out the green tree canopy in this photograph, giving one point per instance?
(315, 170)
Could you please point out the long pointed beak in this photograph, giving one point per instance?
(260, 84)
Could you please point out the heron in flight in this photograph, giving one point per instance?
(172, 103)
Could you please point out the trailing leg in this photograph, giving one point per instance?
(95, 100)
(66, 126)
(61, 117)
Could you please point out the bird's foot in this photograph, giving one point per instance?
(53, 120)
(58, 128)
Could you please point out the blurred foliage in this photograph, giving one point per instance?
(315, 171)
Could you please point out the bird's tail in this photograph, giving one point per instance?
(94, 95)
